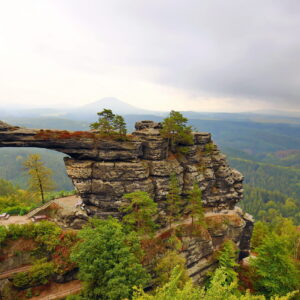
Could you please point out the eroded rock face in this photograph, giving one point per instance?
(147, 167)
(104, 169)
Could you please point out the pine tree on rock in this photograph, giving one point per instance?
(119, 125)
(194, 207)
(174, 200)
(140, 212)
(227, 260)
(176, 131)
(105, 122)
(109, 123)
(40, 177)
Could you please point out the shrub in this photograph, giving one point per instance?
(46, 235)
(3, 234)
(39, 274)
(21, 280)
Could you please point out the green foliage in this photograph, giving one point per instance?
(176, 131)
(218, 289)
(7, 188)
(21, 280)
(227, 260)
(210, 147)
(174, 200)
(39, 274)
(16, 231)
(3, 234)
(276, 271)
(109, 123)
(165, 266)
(264, 204)
(46, 235)
(194, 207)
(15, 201)
(260, 232)
(40, 177)
(140, 212)
(170, 290)
(107, 262)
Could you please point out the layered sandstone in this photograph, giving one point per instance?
(104, 169)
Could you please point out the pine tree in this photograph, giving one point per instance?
(175, 130)
(40, 177)
(140, 212)
(105, 122)
(119, 125)
(276, 271)
(260, 232)
(227, 260)
(109, 123)
(174, 199)
(194, 207)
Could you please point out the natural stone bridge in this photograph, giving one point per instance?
(104, 169)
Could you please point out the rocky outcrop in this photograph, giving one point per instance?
(104, 169)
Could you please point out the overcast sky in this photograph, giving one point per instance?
(206, 55)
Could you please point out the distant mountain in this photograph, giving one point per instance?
(86, 112)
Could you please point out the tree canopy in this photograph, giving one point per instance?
(107, 261)
(40, 177)
(140, 212)
(109, 123)
(176, 130)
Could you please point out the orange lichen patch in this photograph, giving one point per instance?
(171, 156)
(192, 230)
(153, 248)
(217, 221)
(61, 256)
(246, 277)
(64, 134)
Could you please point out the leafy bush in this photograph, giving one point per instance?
(46, 235)
(21, 280)
(39, 274)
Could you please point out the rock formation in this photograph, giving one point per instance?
(104, 169)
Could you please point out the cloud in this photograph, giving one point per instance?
(234, 51)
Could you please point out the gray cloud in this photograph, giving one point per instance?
(198, 54)
(233, 48)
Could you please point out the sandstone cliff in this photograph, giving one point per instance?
(104, 169)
